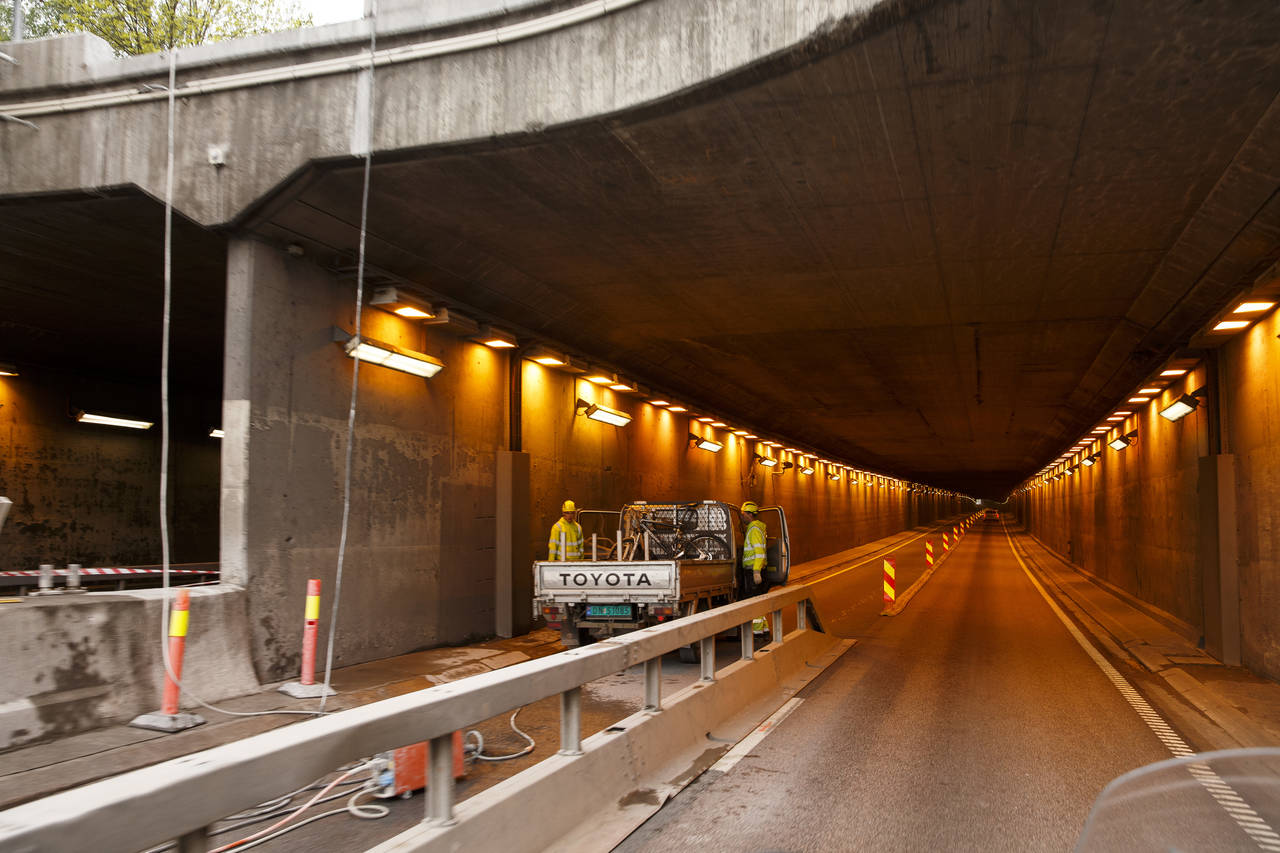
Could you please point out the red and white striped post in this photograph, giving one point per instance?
(305, 687)
(169, 719)
(928, 552)
(890, 581)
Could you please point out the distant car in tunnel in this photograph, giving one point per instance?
(991, 515)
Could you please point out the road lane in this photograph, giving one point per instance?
(972, 721)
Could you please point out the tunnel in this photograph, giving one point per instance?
(927, 257)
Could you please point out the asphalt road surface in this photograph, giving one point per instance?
(971, 721)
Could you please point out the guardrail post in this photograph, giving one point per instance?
(440, 780)
(746, 629)
(777, 626)
(571, 722)
(196, 841)
(653, 684)
(708, 650)
(802, 615)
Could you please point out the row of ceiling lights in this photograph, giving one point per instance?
(1240, 318)
(398, 301)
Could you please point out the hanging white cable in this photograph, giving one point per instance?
(355, 362)
(164, 422)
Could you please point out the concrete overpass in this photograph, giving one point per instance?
(934, 242)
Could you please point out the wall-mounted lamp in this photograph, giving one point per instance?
(1183, 406)
(766, 461)
(785, 466)
(807, 469)
(599, 376)
(216, 432)
(392, 356)
(397, 301)
(1089, 461)
(546, 357)
(604, 414)
(623, 384)
(833, 476)
(1123, 441)
(705, 443)
(495, 338)
(661, 403)
(112, 420)
(677, 409)
(8, 369)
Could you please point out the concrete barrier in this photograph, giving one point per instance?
(594, 800)
(75, 663)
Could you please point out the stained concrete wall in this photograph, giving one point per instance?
(74, 663)
(419, 568)
(1133, 520)
(90, 494)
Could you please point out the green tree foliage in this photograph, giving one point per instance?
(145, 26)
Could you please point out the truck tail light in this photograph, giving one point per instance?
(554, 614)
(660, 612)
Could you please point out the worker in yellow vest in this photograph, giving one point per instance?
(754, 557)
(566, 535)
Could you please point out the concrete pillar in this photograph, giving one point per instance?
(1217, 557)
(513, 572)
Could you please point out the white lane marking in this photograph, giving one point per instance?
(748, 743)
(1230, 801)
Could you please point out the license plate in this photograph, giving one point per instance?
(609, 610)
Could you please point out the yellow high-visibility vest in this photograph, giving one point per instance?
(754, 547)
(572, 531)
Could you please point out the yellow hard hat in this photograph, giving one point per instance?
(750, 506)
(568, 507)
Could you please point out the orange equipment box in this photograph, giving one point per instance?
(409, 766)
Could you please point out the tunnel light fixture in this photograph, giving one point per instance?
(784, 466)
(1087, 462)
(596, 376)
(1231, 325)
(741, 432)
(661, 403)
(1253, 307)
(393, 357)
(677, 409)
(601, 413)
(833, 476)
(750, 436)
(705, 443)
(495, 338)
(546, 357)
(1116, 418)
(8, 369)
(1101, 430)
(1183, 406)
(807, 469)
(624, 385)
(1175, 371)
(719, 424)
(705, 420)
(1152, 391)
(1139, 400)
(216, 432)
(1121, 442)
(398, 301)
(766, 461)
(112, 420)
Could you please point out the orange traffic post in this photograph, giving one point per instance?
(169, 719)
(928, 552)
(946, 543)
(890, 581)
(305, 687)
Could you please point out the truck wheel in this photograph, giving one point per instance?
(585, 637)
(570, 638)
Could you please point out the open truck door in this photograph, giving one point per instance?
(778, 545)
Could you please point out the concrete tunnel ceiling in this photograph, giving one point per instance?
(941, 243)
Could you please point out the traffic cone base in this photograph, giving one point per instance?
(159, 722)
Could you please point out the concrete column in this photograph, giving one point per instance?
(1217, 556)
(513, 572)
(237, 375)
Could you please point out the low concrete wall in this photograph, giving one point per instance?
(593, 801)
(88, 660)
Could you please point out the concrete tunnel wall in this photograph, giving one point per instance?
(1134, 520)
(89, 494)
(420, 564)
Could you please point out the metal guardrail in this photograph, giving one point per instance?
(180, 799)
(179, 572)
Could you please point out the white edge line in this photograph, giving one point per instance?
(748, 743)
